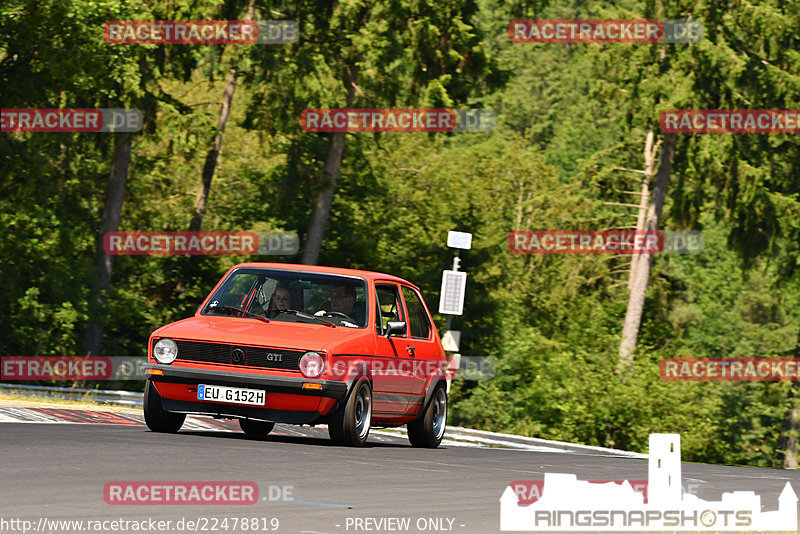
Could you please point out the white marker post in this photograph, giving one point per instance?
(451, 297)
(454, 282)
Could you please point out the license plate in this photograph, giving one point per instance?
(255, 397)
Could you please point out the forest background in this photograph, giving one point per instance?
(572, 122)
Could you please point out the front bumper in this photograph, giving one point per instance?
(285, 394)
(272, 384)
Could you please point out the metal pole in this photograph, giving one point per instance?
(455, 268)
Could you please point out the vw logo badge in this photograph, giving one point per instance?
(237, 356)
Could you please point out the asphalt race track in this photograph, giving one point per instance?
(58, 470)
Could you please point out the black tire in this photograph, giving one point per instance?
(158, 419)
(428, 430)
(256, 429)
(349, 424)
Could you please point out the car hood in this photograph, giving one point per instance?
(277, 334)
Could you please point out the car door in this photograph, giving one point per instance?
(392, 374)
(421, 347)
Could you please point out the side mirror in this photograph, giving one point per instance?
(395, 328)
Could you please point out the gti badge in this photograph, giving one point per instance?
(274, 357)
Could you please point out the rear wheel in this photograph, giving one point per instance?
(256, 429)
(428, 430)
(349, 424)
(158, 419)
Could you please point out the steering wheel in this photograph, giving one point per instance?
(339, 314)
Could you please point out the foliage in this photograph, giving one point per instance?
(569, 117)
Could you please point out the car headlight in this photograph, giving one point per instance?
(165, 351)
(312, 364)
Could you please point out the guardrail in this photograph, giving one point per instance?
(127, 398)
(454, 434)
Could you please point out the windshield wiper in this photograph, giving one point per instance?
(305, 315)
(235, 309)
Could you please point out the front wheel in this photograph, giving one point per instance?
(158, 419)
(428, 430)
(256, 429)
(349, 424)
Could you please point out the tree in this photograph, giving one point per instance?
(216, 145)
(321, 207)
(347, 57)
(112, 213)
(640, 271)
(791, 423)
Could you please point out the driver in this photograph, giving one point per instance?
(343, 299)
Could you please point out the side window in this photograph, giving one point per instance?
(418, 323)
(236, 290)
(389, 307)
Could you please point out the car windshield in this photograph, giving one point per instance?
(291, 296)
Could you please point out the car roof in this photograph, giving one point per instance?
(369, 275)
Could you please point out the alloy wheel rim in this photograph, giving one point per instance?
(439, 413)
(363, 413)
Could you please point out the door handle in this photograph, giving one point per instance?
(411, 351)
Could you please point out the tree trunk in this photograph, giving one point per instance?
(791, 422)
(112, 213)
(321, 208)
(633, 315)
(210, 166)
(649, 163)
(322, 204)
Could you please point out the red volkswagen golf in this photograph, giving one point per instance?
(301, 344)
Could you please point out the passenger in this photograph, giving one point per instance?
(281, 299)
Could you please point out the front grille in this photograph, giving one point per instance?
(196, 351)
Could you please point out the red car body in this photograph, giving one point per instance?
(398, 373)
